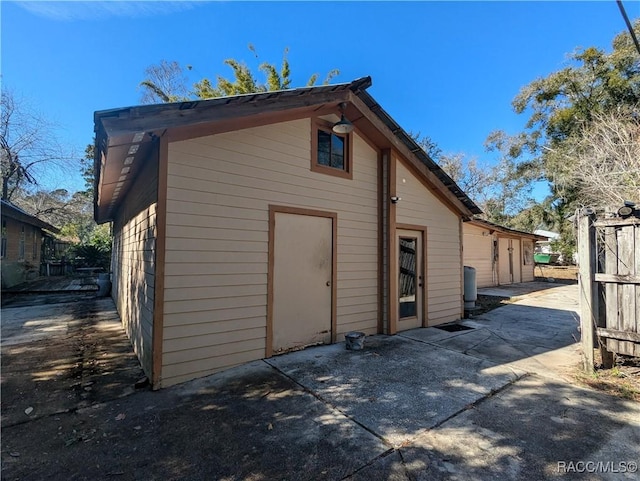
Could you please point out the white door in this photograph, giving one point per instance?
(302, 276)
(410, 279)
(516, 261)
(505, 261)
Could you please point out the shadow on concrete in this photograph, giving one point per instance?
(425, 404)
(395, 387)
(249, 423)
(62, 357)
(525, 432)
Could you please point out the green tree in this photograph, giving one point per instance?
(565, 110)
(167, 81)
(563, 106)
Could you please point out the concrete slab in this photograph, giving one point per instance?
(544, 327)
(248, 423)
(519, 289)
(524, 432)
(396, 387)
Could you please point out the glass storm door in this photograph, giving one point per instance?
(410, 279)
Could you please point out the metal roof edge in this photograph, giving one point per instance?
(356, 85)
(501, 228)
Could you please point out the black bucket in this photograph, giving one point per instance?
(355, 340)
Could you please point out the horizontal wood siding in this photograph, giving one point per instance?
(478, 253)
(20, 265)
(133, 261)
(418, 206)
(219, 191)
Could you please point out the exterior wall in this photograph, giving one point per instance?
(219, 191)
(133, 261)
(17, 268)
(478, 253)
(444, 277)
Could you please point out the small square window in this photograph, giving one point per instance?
(330, 152)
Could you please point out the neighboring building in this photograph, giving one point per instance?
(500, 255)
(544, 253)
(245, 227)
(21, 247)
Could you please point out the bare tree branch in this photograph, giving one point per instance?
(606, 159)
(29, 150)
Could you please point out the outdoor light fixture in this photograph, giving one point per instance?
(343, 126)
(627, 209)
(395, 199)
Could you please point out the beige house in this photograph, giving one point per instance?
(500, 255)
(21, 249)
(246, 226)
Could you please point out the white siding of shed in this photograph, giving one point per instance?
(444, 282)
(133, 261)
(219, 191)
(478, 253)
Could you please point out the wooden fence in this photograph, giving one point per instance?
(609, 258)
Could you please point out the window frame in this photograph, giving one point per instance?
(346, 172)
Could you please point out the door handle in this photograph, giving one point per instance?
(328, 283)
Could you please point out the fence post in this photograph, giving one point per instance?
(588, 295)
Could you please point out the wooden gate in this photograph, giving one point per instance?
(609, 258)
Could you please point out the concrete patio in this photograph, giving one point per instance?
(490, 402)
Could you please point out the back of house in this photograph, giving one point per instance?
(253, 225)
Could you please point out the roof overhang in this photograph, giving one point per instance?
(492, 227)
(15, 212)
(126, 137)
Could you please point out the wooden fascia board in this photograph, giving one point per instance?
(505, 232)
(418, 166)
(136, 119)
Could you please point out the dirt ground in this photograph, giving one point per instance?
(562, 274)
(623, 380)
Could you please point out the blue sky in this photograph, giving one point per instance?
(446, 69)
